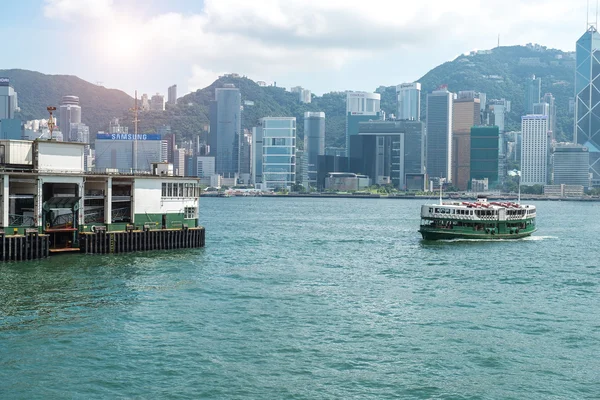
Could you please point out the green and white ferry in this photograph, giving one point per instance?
(477, 220)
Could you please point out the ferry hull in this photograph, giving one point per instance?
(444, 234)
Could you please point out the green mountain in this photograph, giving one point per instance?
(36, 91)
(500, 73)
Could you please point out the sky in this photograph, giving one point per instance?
(321, 45)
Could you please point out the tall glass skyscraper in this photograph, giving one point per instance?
(8, 99)
(587, 98)
(439, 134)
(225, 127)
(314, 143)
(360, 107)
(275, 156)
(533, 93)
(409, 101)
(69, 113)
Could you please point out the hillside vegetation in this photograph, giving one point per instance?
(500, 73)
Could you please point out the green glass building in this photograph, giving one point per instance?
(484, 153)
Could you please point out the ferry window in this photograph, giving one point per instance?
(431, 210)
(186, 190)
(181, 190)
(169, 189)
(164, 190)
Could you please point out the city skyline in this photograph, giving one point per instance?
(288, 42)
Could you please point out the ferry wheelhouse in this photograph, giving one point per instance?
(477, 220)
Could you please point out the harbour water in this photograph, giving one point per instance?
(313, 299)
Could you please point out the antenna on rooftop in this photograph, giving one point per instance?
(498, 40)
(51, 123)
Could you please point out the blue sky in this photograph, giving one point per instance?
(324, 45)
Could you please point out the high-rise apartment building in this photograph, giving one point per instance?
(533, 93)
(69, 113)
(145, 103)
(534, 152)
(157, 102)
(551, 101)
(360, 107)
(225, 129)
(409, 101)
(314, 143)
(484, 154)
(571, 164)
(79, 132)
(587, 98)
(466, 113)
(8, 100)
(275, 156)
(439, 134)
(172, 95)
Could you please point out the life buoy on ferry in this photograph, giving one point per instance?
(93, 228)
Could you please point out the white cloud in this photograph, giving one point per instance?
(69, 9)
(276, 39)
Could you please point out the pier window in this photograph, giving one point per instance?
(164, 190)
(180, 190)
(190, 212)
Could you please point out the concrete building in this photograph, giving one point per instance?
(145, 106)
(115, 152)
(360, 107)
(409, 101)
(274, 153)
(391, 151)
(8, 100)
(179, 162)
(225, 129)
(10, 129)
(69, 113)
(466, 113)
(549, 99)
(533, 93)
(346, 182)
(301, 166)
(563, 190)
(439, 134)
(206, 166)
(484, 155)
(172, 95)
(79, 133)
(571, 164)
(246, 157)
(314, 143)
(304, 95)
(534, 152)
(587, 101)
(496, 113)
(157, 102)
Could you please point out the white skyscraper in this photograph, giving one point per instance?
(69, 113)
(409, 101)
(534, 150)
(8, 100)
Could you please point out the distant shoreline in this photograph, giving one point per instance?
(409, 197)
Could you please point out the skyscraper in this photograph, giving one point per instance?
(551, 101)
(245, 156)
(157, 102)
(225, 128)
(360, 107)
(409, 101)
(439, 134)
(534, 153)
(484, 153)
(275, 158)
(314, 143)
(69, 113)
(571, 165)
(533, 93)
(8, 100)
(587, 98)
(172, 95)
(466, 113)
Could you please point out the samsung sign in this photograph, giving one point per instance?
(127, 136)
(4, 81)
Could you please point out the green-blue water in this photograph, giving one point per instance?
(313, 299)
